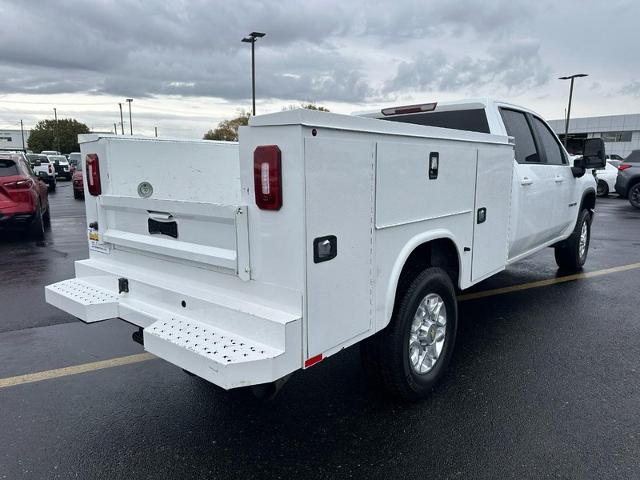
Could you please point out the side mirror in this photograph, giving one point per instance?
(593, 154)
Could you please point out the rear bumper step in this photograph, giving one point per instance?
(84, 300)
(228, 347)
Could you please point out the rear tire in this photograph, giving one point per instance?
(634, 195)
(52, 187)
(36, 227)
(602, 188)
(572, 253)
(411, 354)
(76, 195)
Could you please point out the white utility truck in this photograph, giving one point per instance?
(242, 263)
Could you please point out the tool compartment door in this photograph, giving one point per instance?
(494, 171)
(339, 180)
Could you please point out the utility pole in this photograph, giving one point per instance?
(115, 128)
(121, 119)
(22, 133)
(55, 114)
(156, 129)
(251, 38)
(129, 100)
(566, 124)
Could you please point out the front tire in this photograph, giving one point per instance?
(572, 253)
(634, 195)
(411, 354)
(602, 190)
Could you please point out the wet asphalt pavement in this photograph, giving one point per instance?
(545, 383)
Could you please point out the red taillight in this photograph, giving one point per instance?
(93, 175)
(267, 177)
(623, 166)
(425, 107)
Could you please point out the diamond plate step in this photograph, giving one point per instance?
(84, 300)
(223, 358)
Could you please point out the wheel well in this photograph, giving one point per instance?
(632, 183)
(588, 201)
(435, 253)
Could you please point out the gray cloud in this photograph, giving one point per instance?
(193, 48)
(632, 88)
(516, 66)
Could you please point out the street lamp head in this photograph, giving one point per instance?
(248, 40)
(129, 99)
(577, 75)
(257, 34)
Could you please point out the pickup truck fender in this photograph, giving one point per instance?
(408, 248)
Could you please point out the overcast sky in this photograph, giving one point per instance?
(185, 67)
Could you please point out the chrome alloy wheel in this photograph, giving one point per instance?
(582, 247)
(428, 331)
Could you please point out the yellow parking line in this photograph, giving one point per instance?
(74, 369)
(549, 281)
(142, 357)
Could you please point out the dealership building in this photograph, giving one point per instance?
(12, 139)
(621, 133)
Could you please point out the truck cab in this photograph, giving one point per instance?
(547, 191)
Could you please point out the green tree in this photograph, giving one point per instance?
(308, 106)
(48, 134)
(228, 130)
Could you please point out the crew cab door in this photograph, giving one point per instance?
(564, 204)
(534, 190)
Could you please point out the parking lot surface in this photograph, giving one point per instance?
(544, 383)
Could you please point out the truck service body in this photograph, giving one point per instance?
(318, 231)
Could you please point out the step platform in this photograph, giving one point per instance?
(226, 359)
(87, 301)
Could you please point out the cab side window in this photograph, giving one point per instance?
(549, 143)
(518, 127)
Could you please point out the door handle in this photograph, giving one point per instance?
(559, 179)
(526, 181)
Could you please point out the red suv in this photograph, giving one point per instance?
(24, 200)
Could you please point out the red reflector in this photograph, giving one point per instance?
(425, 107)
(623, 166)
(50, 169)
(312, 361)
(93, 175)
(267, 177)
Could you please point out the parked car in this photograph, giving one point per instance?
(606, 178)
(24, 200)
(78, 182)
(61, 164)
(628, 180)
(320, 231)
(40, 163)
(49, 152)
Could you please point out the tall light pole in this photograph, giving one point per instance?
(251, 38)
(566, 124)
(129, 100)
(55, 115)
(121, 119)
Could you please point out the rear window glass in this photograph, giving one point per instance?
(8, 168)
(633, 157)
(40, 158)
(473, 120)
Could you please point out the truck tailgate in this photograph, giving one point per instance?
(177, 200)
